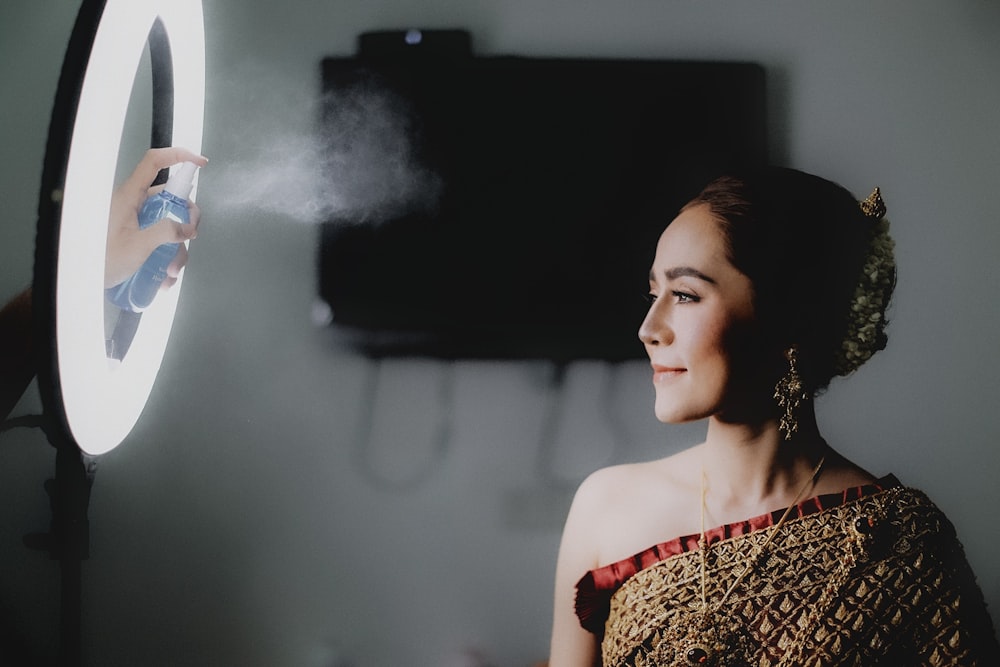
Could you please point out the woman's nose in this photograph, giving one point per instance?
(655, 329)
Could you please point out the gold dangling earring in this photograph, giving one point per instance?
(790, 393)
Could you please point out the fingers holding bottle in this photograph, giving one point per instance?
(148, 227)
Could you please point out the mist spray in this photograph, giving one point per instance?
(139, 290)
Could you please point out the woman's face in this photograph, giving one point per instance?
(699, 320)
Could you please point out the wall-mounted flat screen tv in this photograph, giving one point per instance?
(508, 207)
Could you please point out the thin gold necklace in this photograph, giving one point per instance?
(703, 650)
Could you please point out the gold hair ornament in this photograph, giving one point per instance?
(873, 207)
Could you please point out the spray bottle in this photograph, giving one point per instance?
(138, 291)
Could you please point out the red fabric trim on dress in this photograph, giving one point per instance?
(594, 590)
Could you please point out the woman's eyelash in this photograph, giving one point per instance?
(685, 297)
(682, 297)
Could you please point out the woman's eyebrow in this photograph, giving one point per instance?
(678, 271)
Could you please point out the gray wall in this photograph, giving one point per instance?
(249, 519)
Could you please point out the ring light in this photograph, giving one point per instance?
(96, 400)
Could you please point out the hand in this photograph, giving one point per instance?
(128, 246)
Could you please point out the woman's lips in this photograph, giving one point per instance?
(663, 373)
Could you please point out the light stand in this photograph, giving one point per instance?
(92, 402)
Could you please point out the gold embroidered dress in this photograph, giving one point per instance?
(871, 576)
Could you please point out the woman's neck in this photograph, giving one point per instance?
(751, 468)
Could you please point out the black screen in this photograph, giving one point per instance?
(520, 218)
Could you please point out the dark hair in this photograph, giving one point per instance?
(803, 242)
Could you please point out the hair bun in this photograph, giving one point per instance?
(866, 320)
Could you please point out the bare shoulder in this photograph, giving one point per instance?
(590, 527)
(612, 485)
(840, 473)
(606, 490)
(630, 507)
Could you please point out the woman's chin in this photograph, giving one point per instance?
(675, 415)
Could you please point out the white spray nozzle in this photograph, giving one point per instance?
(182, 180)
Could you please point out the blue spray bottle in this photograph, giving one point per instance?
(139, 290)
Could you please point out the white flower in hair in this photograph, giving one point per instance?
(866, 320)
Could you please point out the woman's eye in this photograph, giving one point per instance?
(650, 298)
(684, 297)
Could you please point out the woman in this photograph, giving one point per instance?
(763, 288)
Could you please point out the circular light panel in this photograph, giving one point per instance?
(102, 399)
